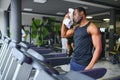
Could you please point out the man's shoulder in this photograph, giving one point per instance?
(92, 28)
(92, 24)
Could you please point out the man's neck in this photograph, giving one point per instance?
(83, 22)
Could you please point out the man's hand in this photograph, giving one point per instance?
(88, 68)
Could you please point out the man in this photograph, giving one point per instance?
(86, 36)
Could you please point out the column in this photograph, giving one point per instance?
(15, 24)
(112, 29)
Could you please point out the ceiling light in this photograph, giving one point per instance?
(40, 1)
(27, 9)
(89, 17)
(106, 19)
(60, 13)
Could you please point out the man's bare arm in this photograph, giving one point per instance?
(96, 39)
(65, 33)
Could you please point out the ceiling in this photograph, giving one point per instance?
(59, 7)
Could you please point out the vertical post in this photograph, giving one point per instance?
(112, 30)
(15, 24)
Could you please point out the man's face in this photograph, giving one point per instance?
(77, 16)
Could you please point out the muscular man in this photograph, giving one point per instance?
(86, 36)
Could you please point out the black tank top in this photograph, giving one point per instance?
(82, 45)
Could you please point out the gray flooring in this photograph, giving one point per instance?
(113, 70)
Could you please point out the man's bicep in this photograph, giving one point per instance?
(96, 38)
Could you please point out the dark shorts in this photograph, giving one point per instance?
(75, 66)
(70, 40)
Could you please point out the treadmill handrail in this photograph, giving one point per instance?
(36, 55)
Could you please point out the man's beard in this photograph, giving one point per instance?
(79, 20)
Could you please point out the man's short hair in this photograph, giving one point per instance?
(81, 9)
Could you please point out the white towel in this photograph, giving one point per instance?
(68, 22)
(70, 10)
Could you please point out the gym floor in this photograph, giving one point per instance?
(113, 70)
